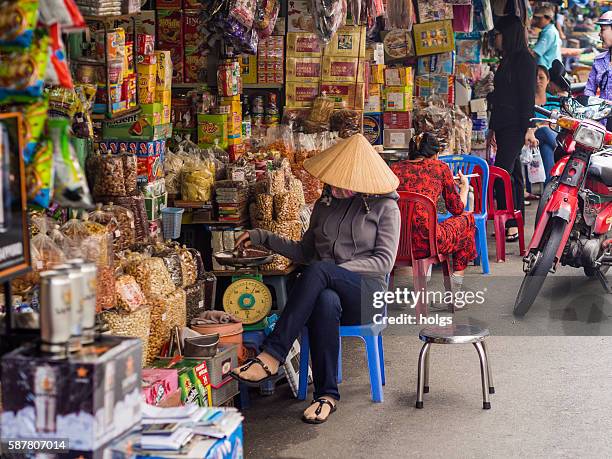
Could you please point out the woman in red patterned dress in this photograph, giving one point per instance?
(425, 174)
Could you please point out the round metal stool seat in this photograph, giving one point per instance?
(454, 334)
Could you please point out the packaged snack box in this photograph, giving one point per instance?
(301, 94)
(306, 69)
(349, 41)
(342, 69)
(303, 44)
(211, 127)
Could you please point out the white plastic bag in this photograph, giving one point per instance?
(526, 154)
(535, 169)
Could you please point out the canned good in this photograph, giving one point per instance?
(89, 286)
(76, 310)
(55, 311)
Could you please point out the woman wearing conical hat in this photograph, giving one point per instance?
(349, 249)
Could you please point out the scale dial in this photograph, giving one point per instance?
(248, 300)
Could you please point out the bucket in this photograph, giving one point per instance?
(230, 333)
(171, 222)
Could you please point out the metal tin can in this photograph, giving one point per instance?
(89, 271)
(76, 309)
(55, 310)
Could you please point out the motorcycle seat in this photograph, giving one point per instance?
(601, 168)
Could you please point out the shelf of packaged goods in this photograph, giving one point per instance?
(244, 86)
(190, 85)
(114, 116)
(109, 18)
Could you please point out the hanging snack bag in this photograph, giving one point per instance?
(17, 23)
(39, 175)
(22, 73)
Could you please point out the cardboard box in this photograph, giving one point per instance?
(135, 127)
(164, 69)
(399, 76)
(397, 138)
(192, 25)
(303, 44)
(149, 59)
(345, 95)
(372, 128)
(398, 99)
(150, 168)
(397, 120)
(342, 69)
(153, 113)
(377, 53)
(373, 103)
(301, 94)
(196, 66)
(437, 64)
(436, 84)
(163, 97)
(193, 379)
(248, 69)
(170, 4)
(146, 83)
(377, 74)
(211, 127)
(154, 204)
(169, 28)
(134, 147)
(88, 399)
(348, 41)
(158, 384)
(145, 44)
(306, 69)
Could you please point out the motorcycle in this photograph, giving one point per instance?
(575, 215)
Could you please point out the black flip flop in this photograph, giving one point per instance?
(512, 238)
(271, 376)
(321, 401)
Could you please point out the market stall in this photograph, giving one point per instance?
(143, 141)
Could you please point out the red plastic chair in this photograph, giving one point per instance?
(501, 216)
(405, 254)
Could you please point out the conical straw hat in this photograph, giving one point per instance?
(354, 165)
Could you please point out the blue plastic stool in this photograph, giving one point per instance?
(466, 164)
(371, 334)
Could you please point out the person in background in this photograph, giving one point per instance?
(425, 174)
(600, 72)
(512, 106)
(348, 249)
(547, 138)
(548, 46)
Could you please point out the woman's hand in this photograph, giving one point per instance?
(530, 139)
(244, 240)
(491, 140)
(462, 181)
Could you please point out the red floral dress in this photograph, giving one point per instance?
(456, 235)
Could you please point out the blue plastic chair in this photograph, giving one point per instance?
(371, 334)
(466, 164)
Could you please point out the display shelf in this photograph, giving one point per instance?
(109, 18)
(263, 86)
(114, 116)
(190, 85)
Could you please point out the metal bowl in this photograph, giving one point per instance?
(228, 258)
(201, 346)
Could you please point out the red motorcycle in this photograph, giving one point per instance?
(575, 215)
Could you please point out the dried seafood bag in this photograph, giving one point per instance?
(320, 114)
(129, 294)
(127, 229)
(462, 128)
(436, 116)
(346, 122)
(152, 276)
(279, 142)
(136, 323)
(328, 16)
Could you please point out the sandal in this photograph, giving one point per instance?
(321, 401)
(512, 237)
(256, 360)
(531, 197)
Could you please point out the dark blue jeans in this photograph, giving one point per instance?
(548, 143)
(323, 297)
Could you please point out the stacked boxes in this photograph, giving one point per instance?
(170, 38)
(270, 60)
(398, 104)
(211, 128)
(195, 58)
(232, 107)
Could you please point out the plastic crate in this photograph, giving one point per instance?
(224, 392)
(220, 365)
(171, 222)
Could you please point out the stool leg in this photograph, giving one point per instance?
(381, 352)
(484, 374)
(426, 386)
(281, 293)
(303, 377)
(340, 362)
(421, 375)
(373, 356)
(491, 385)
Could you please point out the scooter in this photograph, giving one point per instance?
(574, 224)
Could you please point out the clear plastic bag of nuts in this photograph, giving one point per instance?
(135, 323)
(152, 276)
(188, 266)
(161, 326)
(125, 235)
(287, 206)
(109, 179)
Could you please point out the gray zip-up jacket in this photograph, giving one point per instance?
(360, 234)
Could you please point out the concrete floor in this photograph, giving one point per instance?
(553, 399)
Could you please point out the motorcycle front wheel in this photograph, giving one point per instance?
(551, 186)
(534, 279)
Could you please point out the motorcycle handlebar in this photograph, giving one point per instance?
(543, 111)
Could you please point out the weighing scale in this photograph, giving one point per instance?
(247, 297)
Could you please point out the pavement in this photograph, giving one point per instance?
(552, 374)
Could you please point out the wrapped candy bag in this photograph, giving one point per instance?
(70, 186)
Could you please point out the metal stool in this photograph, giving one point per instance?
(455, 334)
